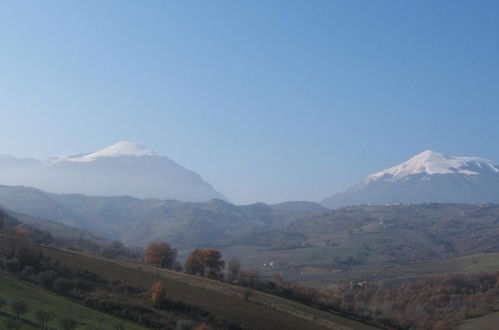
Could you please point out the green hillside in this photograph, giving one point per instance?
(39, 299)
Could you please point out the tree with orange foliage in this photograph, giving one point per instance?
(20, 232)
(213, 263)
(441, 325)
(207, 262)
(194, 263)
(160, 255)
(18, 239)
(158, 293)
(203, 326)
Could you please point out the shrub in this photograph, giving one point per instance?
(247, 293)
(44, 318)
(11, 324)
(185, 325)
(119, 326)
(27, 272)
(19, 307)
(47, 278)
(2, 302)
(203, 326)
(158, 293)
(12, 265)
(67, 323)
(62, 285)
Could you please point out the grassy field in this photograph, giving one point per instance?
(38, 299)
(261, 311)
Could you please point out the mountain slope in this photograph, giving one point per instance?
(427, 177)
(124, 168)
(137, 221)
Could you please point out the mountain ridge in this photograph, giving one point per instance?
(125, 168)
(140, 221)
(427, 177)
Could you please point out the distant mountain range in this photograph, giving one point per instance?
(130, 169)
(427, 177)
(124, 168)
(137, 221)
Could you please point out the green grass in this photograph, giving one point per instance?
(262, 311)
(36, 299)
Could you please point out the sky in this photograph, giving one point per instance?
(267, 100)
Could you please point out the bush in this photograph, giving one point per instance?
(2, 302)
(12, 265)
(11, 324)
(119, 326)
(47, 278)
(67, 323)
(19, 307)
(62, 285)
(185, 325)
(203, 326)
(44, 318)
(158, 293)
(27, 272)
(83, 285)
(247, 293)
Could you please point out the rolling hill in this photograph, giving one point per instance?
(139, 221)
(126, 286)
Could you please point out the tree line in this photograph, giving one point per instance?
(438, 303)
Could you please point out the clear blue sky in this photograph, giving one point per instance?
(267, 100)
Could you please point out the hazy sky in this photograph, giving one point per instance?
(267, 100)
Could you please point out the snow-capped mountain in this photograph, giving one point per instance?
(125, 168)
(120, 149)
(427, 177)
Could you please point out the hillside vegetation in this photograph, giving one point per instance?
(302, 241)
(370, 242)
(122, 289)
(39, 299)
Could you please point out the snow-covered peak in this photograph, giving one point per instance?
(432, 162)
(120, 149)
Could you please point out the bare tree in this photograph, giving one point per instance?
(233, 270)
(19, 307)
